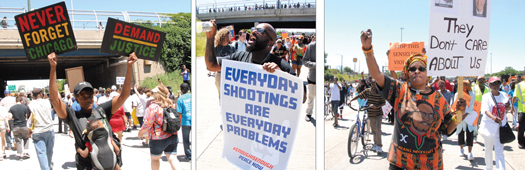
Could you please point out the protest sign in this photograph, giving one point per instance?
(284, 35)
(386, 109)
(399, 52)
(74, 76)
(260, 115)
(122, 38)
(458, 38)
(46, 30)
(120, 80)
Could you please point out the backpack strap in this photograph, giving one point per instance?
(101, 114)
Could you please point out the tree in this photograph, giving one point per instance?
(176, 50)
(325, 66)
(348, 70)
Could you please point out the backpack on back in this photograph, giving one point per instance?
(171, 121)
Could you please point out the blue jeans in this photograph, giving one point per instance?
(44, 143)
(186, 140)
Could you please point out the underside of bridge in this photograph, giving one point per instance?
(15, 66)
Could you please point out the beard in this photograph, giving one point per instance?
(258, 46)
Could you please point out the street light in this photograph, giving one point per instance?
(402, 33)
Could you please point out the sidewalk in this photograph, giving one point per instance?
(134, 155)
(210, 136)
(336, 156)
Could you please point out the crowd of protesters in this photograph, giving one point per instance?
(261, 7)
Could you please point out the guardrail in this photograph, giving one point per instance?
(89, 19)
(249, 5)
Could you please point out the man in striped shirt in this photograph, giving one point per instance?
(375, 102)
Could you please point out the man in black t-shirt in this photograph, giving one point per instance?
(20, 113)
(83, 92)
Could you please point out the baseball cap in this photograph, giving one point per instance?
(81, 86)
(36, 91)
(7, 91)
(114, 88)
(481, 77)
(494, 79)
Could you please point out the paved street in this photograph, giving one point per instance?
(210, 137)
(134, 155)
(336, 156)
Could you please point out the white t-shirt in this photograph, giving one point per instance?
(488, 127)
(113, 94)
(334, 91)
(103, 99)
(141, 107)
(41, 110)
(8, 101)
(127, 104)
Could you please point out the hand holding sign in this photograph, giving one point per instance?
(52, 59)
(132, 59)
(270, 67)
(366, 39)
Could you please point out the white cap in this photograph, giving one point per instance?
(114, 88)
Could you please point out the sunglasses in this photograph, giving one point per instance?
(496, 83)
(421, 69)
(261, 31)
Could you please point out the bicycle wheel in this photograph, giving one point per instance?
(353, 137)
(366, 132)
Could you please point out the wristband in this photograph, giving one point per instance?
(368, 53)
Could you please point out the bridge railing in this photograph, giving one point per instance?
(249, 5)
(89, 19)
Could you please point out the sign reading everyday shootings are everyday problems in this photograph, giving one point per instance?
(458, 38)
(122, 38)
(399, 52)
(260, 113)
(46, 30)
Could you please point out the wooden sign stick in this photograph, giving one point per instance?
(459, 114)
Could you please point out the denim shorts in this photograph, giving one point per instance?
(168, 145)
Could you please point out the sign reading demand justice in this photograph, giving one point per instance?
(122, 38)
(260, 115)
(459, 38)
(46, 30)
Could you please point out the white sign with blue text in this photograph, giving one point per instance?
(458, 37)
(260, 115)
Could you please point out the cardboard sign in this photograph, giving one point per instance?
(46, 30)
(74, 76)
(386, 109)
(458, 38)
(120, 80)
(122, 38)
(477, 108)
(399, 52)
(232, 32)
(284, 35)
(260, 115)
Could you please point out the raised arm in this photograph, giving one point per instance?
(211, 60)
(373, 69)
(54, 96)
(117, 101)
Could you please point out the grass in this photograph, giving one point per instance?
(173, 79)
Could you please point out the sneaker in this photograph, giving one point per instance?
(379, 150)
(4, 155)
(519, 146)
(461, 152)
(308, 118)
(26, 156)
(335, 125)
(145, 144)
(445, 137)
(470, 156)
(374, 148)
(340, 116)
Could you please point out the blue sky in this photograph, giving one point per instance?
(344, 20)
(165, 6)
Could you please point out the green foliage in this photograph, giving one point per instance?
(61, 84)
(506, 71)
(201, 43)
(348, 70)
(173, 79)
(176, 50)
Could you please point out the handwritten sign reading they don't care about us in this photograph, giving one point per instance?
(458, 38)
(260, 115)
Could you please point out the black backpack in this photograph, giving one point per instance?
(171, 120)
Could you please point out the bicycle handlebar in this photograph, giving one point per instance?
(361, 109)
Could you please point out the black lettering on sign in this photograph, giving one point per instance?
(475, 63)
(440, 63)
(442, 45)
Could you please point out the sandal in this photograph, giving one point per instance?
(335, 125)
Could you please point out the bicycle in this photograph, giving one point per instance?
(359, 130)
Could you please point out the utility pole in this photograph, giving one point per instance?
(402, 33)
(28, 5)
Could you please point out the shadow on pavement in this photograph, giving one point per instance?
(465, 167)
(68, 165)
(341, 127)
(313, 121)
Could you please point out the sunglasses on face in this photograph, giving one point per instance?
(261, 31)
(421, 69)
(496, 83)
